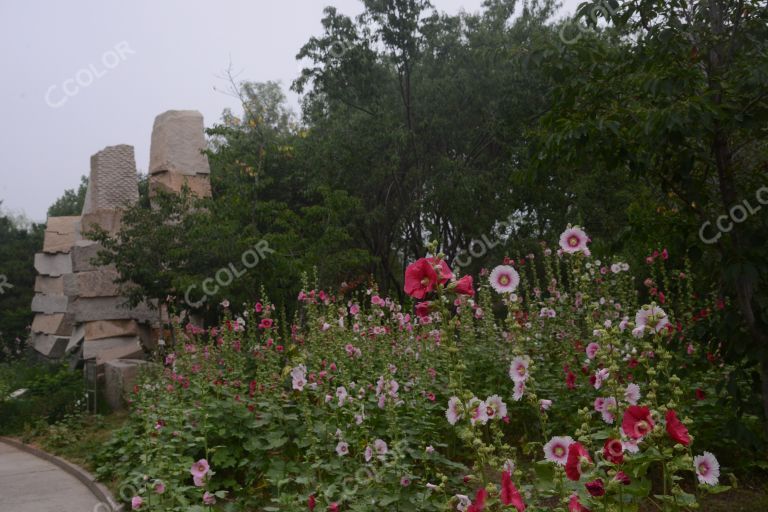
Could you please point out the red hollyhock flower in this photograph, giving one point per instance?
(622, 477)
(676, 429)
(570, 379)
(574, 505)
(311, 502)
(422, 309)
(421, 277)
(464, 286)
(613, 451)
(509, 493)
(700, 395)
(333, 507)
(479, 504)
(576, 455)
(595, 487)
(637, 421)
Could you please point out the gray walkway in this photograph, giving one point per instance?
(31, 484)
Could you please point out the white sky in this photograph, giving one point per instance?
(173, 51)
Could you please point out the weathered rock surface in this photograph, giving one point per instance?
(53, 264)
(177, 142)
(120, 375)
(113, 182)
(60, 234)
(101, 329)
(93, 283)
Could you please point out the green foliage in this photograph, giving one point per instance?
(54, 391)
(17, 278)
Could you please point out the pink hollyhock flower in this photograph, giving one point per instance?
(609, 406)
(354, 309)
(333, 507)
(299, 377)
(464, 286)
(652, 317)
(455, 410)
(556, 449)
(519, 391)
(637, 422)
(198, 481)
(136, 502)
(405, 481)
(632, 394)
(509, 493)
(545, 404)
(600, 377)
(707, 468)
(574, 240)
(342, 449)
(159, 487)
(479, 504)
(266, 323)
(422, 309)
(595, 487)
(504, 279)
(200, 468)
(577, 455)
(518, 369)
(676, 430)
(421, 277)
(592, 349)
(495, 407)
(208, 498)
(381, 447)
(574, 505)
(613, 451)
(478, 411)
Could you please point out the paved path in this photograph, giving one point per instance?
(31, 484)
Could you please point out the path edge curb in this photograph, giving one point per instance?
(87, 479)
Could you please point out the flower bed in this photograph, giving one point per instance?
(550, 387)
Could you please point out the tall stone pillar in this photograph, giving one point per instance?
(176, 157)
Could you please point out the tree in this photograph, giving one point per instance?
(673, 93)
(71, 203)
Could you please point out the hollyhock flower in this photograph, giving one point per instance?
(519, 390)
(609, 407)
(311, 502)
(159, 487)
(136, 502)
(478, 411)
(509, 493)
(622, 478)
(405, 481)
(707, 468)
(299, 377)
(613, 451)
(504, 279)
(637, 421)
(676, 429)
(574, 505)
(518, 369)
(652, 317)
(198, 481)
(381, 447)
(266, 323)
(577, 455)
(600, 377)
(632, 394)
(368, 453)
(333, 507)
(623, 324)
(638, 331)
(464, 286)
(430, 449)
(200, 468)
(570, 379)
(341, 394)
(208, 498)
(479, 504)
(545, 404)
(700, 395)
(342, 448)
(495, 407)
(630, 445)
(592, 349)
(556, 449)
(463, 502)
(455, 410)
(595, 487)
(574, 240)
(421, 277)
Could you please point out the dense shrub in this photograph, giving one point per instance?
(558, 384)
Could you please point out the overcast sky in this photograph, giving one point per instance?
(141, 58)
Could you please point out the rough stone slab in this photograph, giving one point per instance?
(85, 309)
(94, 283)
(173, 182)
(60, 234)
(49, 345)
(109, 220)
(58, 323)
(49, 285)
(120, 376)
(49, 304)
(83, 252)
(177, 143)
(110, 329)
(53, 265)
(113, 182)
(113, 348)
